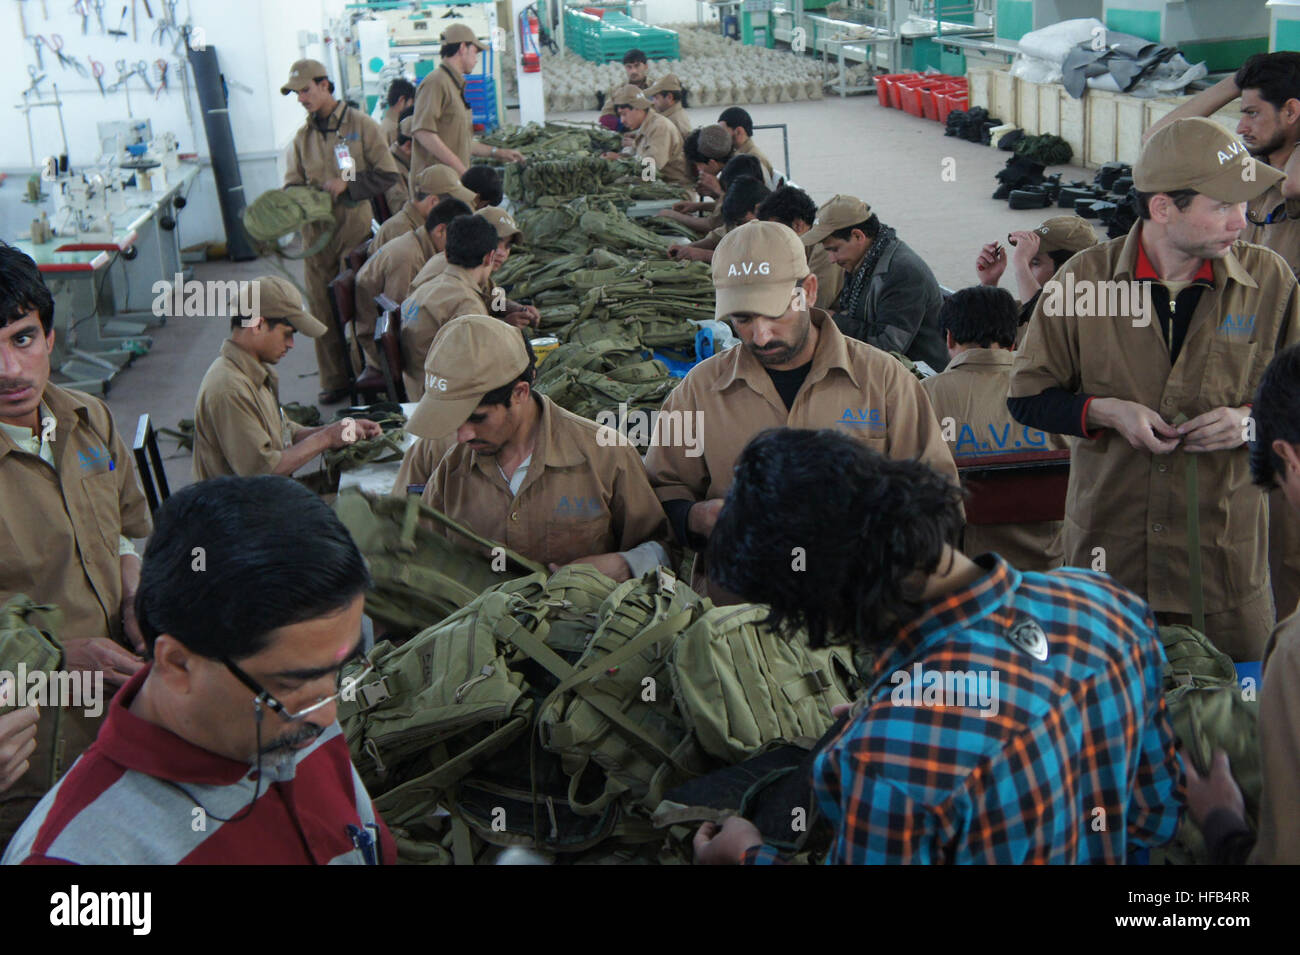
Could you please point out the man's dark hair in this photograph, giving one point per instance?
(22, 289)
(400, 89)
(1182, 199)
(501, 396)
(981, 315)
(742, 198)
(485, 182)
(234, 558)
(445, 211)
(402, 140)
(324, 79)
(734, 116)
(450, 49)
(469, 240)
(634, 56)
(1060, 256)
(786, 204)
(870, 228)
(740, 164)
(870, 528)
(1276, 412)
(691, 146)
(675, 94)
(1275, 75)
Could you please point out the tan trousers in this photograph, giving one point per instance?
(351, 229)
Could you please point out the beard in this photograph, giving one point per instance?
(782, 353)
(1267, 149)
(281, 750)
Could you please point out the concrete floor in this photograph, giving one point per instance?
(888, 158)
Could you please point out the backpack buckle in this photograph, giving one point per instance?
(372, 694)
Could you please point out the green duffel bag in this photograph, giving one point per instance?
(279, 213)
(29, 643)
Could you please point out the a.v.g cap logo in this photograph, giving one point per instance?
(434, 383)
(749, 268)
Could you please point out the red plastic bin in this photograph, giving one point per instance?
(887, 87)
(952, 100)
(929, 99)
(910, 94)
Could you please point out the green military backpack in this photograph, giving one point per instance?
(29, 643)
(420, 574)
(279, 213)
(1209, 712)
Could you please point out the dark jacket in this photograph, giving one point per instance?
(899, 310)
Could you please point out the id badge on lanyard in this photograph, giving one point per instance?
(343, 158)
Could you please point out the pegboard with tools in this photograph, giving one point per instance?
(108, 59)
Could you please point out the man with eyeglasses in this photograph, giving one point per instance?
(226, 749)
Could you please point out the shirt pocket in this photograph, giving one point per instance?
(568, 540)
(1230, 377)
(101, 492)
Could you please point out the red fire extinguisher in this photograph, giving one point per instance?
(530, 52)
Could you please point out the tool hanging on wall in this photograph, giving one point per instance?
(37, 41)
(36, 82)
(142, 71)
(55, 43)
(82, 11)
(98, 6)
(135, 35)
(120, 32)
(123, 77)
(160, 65)
(97, 70)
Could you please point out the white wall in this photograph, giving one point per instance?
(255, 40)
(674, 11)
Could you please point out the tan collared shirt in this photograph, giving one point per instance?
(729, 398)
(658, 139)
(608, 108)
(440, 108)
(313, 159)
(970, 401)
(407, 219)
(830, 277)
(580, 497)
(62, 524)
(426, 310)
(1283, 234)
(436, 265)
(239, 427)
(390, 270)
(750, 149)
(677, 113)
(1133, 504)
(1279, 748)
(398, 193)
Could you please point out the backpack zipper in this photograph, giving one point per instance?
(487, 670)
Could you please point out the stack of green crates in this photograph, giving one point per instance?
(602, 39)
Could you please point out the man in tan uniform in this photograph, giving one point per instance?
(399, 192)
(666, 95)
(1268, 85)
(547, 483)
(239, 427)
(462, 289)
(1036, 256)
(71, 508)
(389, 271)
(1215, 801)
(970, 401)
(637, 70)
(793, 369)
(444, 122)
(400, 98)
(1156, 375)
(654, 138)
(507, 234)
(341, 150)
(433, 185)
(738, 123)
(795, 209)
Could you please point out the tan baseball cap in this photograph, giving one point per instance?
(633, 96)
(839, 212)
(755, 268)
(461, 33)
(666, 83)
(277, 297)
(715, 142)
(1065, 234)
(302, 74)
(502, 221)
(442, 180)
(472, 355)
(404, 127)
(1198, 154)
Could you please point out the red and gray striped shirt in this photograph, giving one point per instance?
(122, 803)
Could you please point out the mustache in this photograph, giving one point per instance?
(289, 740)
(14, 384)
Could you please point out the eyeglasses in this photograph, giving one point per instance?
(345, 690)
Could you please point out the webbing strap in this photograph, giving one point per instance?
(415, 507)
(1191, 465)
(462, 851)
